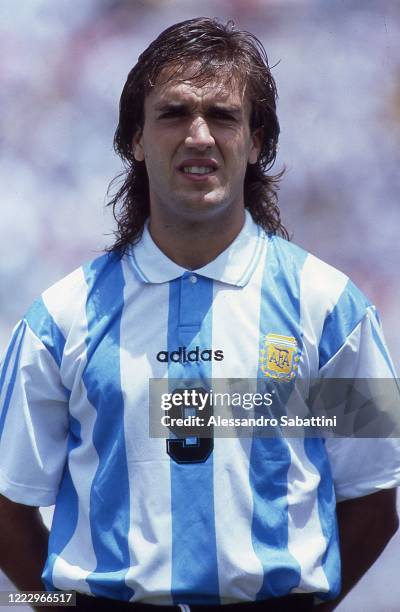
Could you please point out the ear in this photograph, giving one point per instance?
(255, 146)
(137, 146)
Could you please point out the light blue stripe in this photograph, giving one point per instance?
(65, 517)
(270, 457)
(194, 550)
(315, 450)
(10, 352)
(14, 371)
(109, 497)
(381, 347)
(46, 329)
(346, 315)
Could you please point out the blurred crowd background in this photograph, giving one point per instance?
(337, 66)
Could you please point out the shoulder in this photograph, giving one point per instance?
(53, 313)
(330, 305)
(319, 282)
(296, 259)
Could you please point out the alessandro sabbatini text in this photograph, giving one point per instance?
(218, 421)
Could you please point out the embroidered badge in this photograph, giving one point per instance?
(279, 357)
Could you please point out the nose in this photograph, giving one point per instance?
(199, 135)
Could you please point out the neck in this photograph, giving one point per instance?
(193, 244)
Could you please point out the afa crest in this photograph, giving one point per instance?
(279, 357)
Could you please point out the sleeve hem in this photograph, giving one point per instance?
(362, 488)
(27, 495)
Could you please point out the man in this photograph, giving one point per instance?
(197, 286)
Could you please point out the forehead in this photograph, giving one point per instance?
(188, 86)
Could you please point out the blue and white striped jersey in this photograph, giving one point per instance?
(257, 518)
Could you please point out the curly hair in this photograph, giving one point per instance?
(215, 49)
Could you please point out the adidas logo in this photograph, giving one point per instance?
(182, 355)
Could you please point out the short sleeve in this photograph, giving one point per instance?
(33, 420)
(353, 346)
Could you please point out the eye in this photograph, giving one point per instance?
(221, 115)
(173, 113)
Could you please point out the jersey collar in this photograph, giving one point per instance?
(234, 266)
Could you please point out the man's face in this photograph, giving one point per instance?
(196, 144)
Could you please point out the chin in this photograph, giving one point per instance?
(206, 201)
(204, 207)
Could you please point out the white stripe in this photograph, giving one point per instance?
(320, 289)
(306, 541)
(236, 314)
(62, 298)
(150, 533)
(76, 561)
(66, 303)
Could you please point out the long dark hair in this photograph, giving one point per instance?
(216, 49)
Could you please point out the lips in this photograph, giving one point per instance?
(198, 167)
(197, 170)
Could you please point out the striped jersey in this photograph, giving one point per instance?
(256, 517)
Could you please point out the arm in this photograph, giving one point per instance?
(366, 524)
(23, 544)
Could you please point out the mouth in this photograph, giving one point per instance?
(198, 169)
